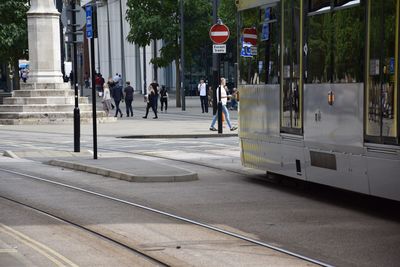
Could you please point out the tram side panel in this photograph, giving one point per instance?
(384, 171)
(333, 136)
(259, 127)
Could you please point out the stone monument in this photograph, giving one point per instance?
(45, 98)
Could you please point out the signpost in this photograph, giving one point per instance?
(91, 33)
(250, 36)
(219, 34)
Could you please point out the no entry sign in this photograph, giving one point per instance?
(250, 36)
(219, 33)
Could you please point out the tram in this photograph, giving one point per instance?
(319, 91)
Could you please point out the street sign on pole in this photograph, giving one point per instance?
(250, 36)
(89, 20)
(219, 49)
(219, 33)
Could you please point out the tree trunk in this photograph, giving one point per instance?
(178, 83)
(16, 75)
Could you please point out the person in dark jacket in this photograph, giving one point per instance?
(164, 98)
(118, 95)
(155, 87)
(128, 95)
(151, 97)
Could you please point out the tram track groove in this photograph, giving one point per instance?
(156, 211)
(86, 229)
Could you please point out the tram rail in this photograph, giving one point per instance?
(152, 210)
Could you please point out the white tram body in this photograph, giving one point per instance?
(327, 120)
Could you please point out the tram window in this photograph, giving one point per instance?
(348, 45)
(335, 45)
(381, 104)
(319, 63)
(291, 89)
(260, 64)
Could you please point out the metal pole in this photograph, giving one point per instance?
(109, 43)
(92, 66)
(182, 58)
(123, 71)
(77, 119)
(144, 71)
(216, 81)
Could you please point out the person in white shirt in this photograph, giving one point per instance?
(106, 99)
(224, 98)
(203, 96)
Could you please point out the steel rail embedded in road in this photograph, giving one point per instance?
(207, 226)
(138, 252)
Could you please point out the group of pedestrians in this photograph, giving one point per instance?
(153, 94)
(113, 90)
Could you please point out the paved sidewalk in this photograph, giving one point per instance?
(191, 123)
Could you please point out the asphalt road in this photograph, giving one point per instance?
(337, 227)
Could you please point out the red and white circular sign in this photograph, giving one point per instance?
(219, 33)
(250, 36)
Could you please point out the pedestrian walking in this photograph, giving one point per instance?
(222, 88)
(156, 90)
(128, 95)
(99, 84)
(118, 96)
(202, 88)
(150, 98)
(86, 78)
(164, 98)
(24, 75)
(106, 99)
(234, 99)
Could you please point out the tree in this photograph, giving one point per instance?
(13, 33)
(160, 20)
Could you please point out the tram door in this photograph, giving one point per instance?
(382, 86)
(291, 59)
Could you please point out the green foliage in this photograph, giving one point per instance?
(159, 20)
(13, 30)
(227, 12)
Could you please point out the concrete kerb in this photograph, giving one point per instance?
(189, 176)
(156, 136)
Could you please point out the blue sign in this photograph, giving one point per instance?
(391, 65)
(265, 28)
(246, 50)
(89, 26)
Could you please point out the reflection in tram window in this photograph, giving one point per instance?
(319, 67)
(291, 113)
(381, 94)
(348, 45)
(336, 45)
(260, 64)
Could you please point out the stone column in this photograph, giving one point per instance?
(44, 42)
